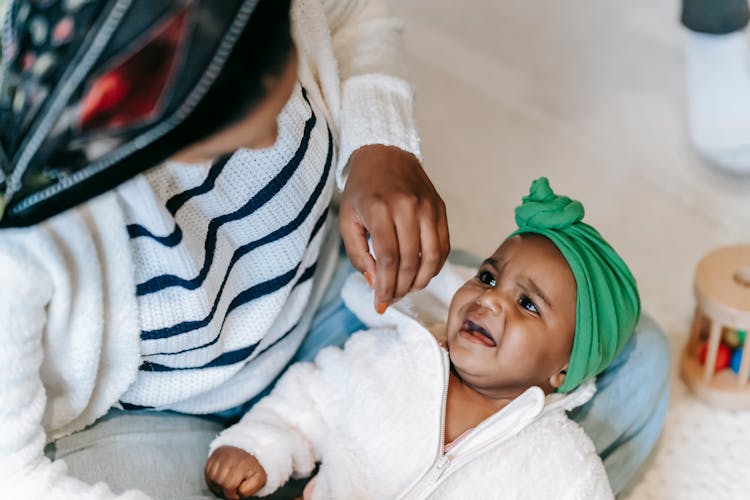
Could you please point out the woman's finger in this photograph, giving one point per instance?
(354, 235)
(385, 244)
(431, 258)
(409, 245)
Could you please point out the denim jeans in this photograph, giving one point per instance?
(163, 454)
(626, 415)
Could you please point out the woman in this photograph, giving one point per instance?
(190, 287)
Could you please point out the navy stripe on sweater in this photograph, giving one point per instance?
(170, 240)
(262, 197)
(256, 291)
(174, 204)
(226, 359)
(169, 280)
(131, 406)
(305, 276)
(230, 357)
(246, 296)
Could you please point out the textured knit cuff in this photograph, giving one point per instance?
(376, 109)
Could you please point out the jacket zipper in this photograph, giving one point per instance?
(424, 484)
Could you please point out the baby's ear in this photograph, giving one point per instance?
(558, 378)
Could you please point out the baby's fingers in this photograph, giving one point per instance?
(226, 481)
(252, 484)
(212, 474)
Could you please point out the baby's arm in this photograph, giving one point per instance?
(280, 436)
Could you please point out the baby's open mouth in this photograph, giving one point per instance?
(476, 333)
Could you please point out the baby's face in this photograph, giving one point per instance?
(512, 325)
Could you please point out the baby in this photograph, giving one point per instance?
(396, 415)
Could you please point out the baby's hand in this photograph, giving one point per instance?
(233, 473)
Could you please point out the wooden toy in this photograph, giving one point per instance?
(722, 294)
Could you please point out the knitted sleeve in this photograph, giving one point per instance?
(377, 103)
(25, 472)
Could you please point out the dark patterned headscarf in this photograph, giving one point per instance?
(93, 92)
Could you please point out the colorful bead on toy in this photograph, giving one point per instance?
(731, 337)
(722, 356)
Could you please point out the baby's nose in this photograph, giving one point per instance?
(489, 300)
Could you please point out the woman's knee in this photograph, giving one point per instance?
(652, 351)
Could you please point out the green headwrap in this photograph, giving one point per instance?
(607, 302)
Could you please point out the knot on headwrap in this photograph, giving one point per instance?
(543, 209)
(607, 301)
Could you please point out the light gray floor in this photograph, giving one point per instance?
(589, 93)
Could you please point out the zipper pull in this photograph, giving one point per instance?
(441, 466)
(424, 487)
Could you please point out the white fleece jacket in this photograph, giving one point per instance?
(69, 333)
(373, 414)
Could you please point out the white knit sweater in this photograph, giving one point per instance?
(69, 319)
(373, 414)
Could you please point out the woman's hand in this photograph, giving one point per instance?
(233, 473)
(389, 196)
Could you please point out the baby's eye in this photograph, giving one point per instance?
(486, 278)
(528, 304)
